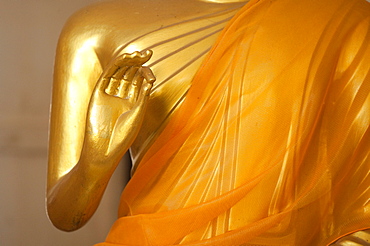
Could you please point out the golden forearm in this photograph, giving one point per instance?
(73, 192)
(74, 198)
(72, 90)
(112, 123)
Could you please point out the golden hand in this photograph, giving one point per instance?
(117, 107)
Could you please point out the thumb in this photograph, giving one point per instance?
(146, 88)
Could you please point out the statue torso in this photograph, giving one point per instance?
(180, 33)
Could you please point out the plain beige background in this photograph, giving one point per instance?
(29, 31)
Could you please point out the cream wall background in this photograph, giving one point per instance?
(29, 31)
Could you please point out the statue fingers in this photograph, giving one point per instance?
(147, 74)
(126, 82)
(115, 83)
(130, 73)
(148, 79)
(109, 81)
(122, 91)
(145, 56)
(135, 59)
(111, 87)
(115, 80)
(102, 85)
(144, 94)
(113, 68)
(119, 62)
(134, 88)
(119, 74)
(120, 80)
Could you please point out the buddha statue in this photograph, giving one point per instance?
(247, 121)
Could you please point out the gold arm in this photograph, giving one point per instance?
(112, 123)
(77, 68)
(77, 176)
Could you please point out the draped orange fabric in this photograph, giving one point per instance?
(271, 145)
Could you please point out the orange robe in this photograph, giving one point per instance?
(271, 145)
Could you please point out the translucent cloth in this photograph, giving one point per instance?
(271, 145)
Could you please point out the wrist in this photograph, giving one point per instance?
(95, 168)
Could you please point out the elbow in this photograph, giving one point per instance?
(63, 217)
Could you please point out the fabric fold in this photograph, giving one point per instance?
(271, 144)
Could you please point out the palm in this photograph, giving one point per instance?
(118, 103)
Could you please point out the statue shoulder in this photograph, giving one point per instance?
(113, 23)
(130, 14)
